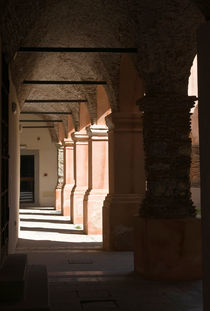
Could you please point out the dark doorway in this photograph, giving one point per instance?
(27, 178)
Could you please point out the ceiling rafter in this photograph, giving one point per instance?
(60, 82)
(40, 121)
(33, 101)
(39, 127)
(46, 112)
(76, 50)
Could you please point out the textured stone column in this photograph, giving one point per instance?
(167, 146)
(126, 179)
(68, 174)
(204, 134)
(98, 178)
(167, 235)
(195, 164)
(81, 176)
(59, 187)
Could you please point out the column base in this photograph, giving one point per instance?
(93, 203)
(58, 199)
(168, 249)
(77, 203)
(67, 189)
(118, 213)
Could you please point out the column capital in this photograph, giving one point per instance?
(79, 137)
(67, 142)
(59, 145)
(163, 101)
(97, 132)
(60, 183)
(121, 121)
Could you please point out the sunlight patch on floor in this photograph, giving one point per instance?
(59, 237)
(46, 225)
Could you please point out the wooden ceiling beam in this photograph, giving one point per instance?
(29, 49)
(60, 82)
(40, 121)
(38, 127)
(46, 112)
(41, 101)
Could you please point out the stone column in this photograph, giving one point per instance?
(167, 226)
(167, 146)
(204, 133)
(98, 178)
(58, 190)
(68, 174)
(81, 176)
(126, 179)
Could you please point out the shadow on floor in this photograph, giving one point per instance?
(65, 231)
(41, 231)
(47, 220)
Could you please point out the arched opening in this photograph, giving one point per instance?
(74, 72)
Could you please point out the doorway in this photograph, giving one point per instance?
(27, 179)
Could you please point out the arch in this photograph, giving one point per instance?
(131, 85)
(103, 105)
(84, 118)
(61, 133)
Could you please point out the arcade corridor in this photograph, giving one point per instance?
(83, 277)
(99, 109)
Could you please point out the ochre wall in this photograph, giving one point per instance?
(14, 170)
(40, 139)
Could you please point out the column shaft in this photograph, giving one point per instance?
(204, 133)
(98, 179)
(81, 176)
(126, 180)
(167, 146)
(60, 167)
(167, 235)
(68, 175)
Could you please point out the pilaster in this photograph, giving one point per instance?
(68, 175)
(60, 167)
(126, 179)
(98, 178)
(81, 176)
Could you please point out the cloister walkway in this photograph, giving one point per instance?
(84, 277)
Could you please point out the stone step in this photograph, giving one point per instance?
(12, 277)
(36, 292)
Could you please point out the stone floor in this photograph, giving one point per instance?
(84, 277)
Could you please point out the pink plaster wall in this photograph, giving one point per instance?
(131, 86)
(61, 132)
(84, 117)
(70, 126)
(103, 105)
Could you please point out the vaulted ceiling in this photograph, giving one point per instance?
(163, 31)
